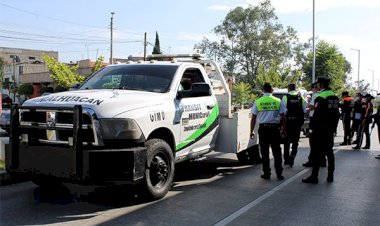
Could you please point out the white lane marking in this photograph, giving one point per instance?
(252, 204)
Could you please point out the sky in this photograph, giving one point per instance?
(81, 29)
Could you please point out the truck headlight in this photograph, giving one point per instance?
(120, 129)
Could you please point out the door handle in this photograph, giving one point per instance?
(210, 106)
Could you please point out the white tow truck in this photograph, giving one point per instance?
(129, 123)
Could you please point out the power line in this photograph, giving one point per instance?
(44, 41)
(48, 17)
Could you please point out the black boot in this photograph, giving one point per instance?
(330, 177)
(313, 178)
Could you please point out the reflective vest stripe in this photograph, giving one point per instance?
(326, 93)
(268, 103)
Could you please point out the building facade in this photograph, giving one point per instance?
(25, 66)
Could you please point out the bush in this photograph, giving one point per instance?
(60, 89)
(25, 89)
(46, 89)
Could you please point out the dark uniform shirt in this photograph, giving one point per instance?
(347, 107)
(326, 115)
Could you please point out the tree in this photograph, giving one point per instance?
(156, 48)
(251, 38)
(242, 95)
(328, 62)
(277, 75)
(98, 64)
(62, 74)
(26, 89)
(1, 72)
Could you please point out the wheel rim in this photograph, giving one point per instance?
(159, 170)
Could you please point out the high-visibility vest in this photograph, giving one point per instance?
(326, 93)
(268, 103)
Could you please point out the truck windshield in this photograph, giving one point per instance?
(150, 78)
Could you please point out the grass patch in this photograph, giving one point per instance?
(2, 165)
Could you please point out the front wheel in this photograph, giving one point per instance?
(159, 172)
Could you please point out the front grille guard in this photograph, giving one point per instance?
(19, 130)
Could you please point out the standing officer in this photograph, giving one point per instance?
(314, 88)
(366, 119)
(357, 114)
(295, 116)
(346, 107)
(269, 111)
(326, 118)
(376, 121)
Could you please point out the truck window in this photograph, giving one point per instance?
(150, 78)
(190, 76)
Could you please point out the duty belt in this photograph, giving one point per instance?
(269, 124)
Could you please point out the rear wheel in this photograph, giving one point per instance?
(159, 172)
(250, 155)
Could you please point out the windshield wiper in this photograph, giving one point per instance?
(130, 88)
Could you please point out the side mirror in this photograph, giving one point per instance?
(74, 86)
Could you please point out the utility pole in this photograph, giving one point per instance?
(358, 50)
(313, 66)
(111, 47)
(145, 44)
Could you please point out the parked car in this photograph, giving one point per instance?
(5, 119)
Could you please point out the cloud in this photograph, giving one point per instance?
(291, 6)
(219, 8)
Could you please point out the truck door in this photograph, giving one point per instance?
(199, 117)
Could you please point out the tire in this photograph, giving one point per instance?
(249, 156)
(159, 171)
(45, 181)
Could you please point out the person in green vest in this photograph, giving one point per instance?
(269, 111)
(325, 121)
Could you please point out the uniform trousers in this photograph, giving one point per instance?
(322, 141)
(364, 129)
(270, 136)
(347, 129)
(355, 128)
(293, 130)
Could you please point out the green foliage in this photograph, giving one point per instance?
(26, 89)
(46, 89)
(60, 89)
(62, 74)
(277, 75)
(2, 165)
(251, 38)
(328, 62)
(98, 64)
(242, 94)
(1, 72)
(156, 48)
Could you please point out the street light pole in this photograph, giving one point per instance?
(358, 50)
(313, 66)
(373, 79)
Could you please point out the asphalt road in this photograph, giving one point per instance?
(217, 191)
